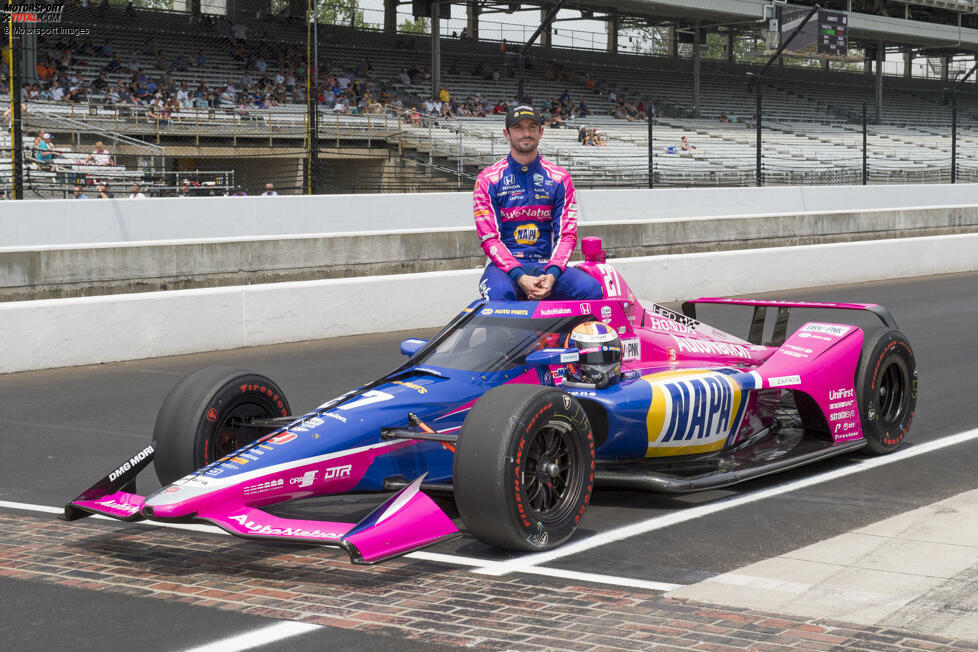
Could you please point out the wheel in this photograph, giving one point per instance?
(199, 421)
(886, 389)
(524, 467)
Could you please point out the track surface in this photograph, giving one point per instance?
(63, 429)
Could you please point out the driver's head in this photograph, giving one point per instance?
(599, 349)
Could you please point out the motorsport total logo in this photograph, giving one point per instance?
(37, 19)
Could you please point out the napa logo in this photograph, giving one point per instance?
(527, 234)
(692, 412)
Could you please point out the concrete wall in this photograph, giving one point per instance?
(59, 222)
(84, 270)
(63, 332)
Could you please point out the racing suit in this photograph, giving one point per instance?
(526, 219)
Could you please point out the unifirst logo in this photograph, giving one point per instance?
(527, 234)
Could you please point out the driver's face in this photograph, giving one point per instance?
(524, 136)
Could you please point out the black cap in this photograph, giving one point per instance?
(519, 112)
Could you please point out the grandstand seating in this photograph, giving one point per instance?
(809, 134)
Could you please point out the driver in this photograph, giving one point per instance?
(599, 349)
(526, 218)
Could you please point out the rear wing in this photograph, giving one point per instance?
(781, 324)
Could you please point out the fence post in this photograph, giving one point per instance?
(759, 95)
(651, 155)
(954, 137)
(458, 169)
(865, 166)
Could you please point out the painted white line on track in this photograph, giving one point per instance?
(423, 555)
(600, 579)
(521, 564)
(258, 637)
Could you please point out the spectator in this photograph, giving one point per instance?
(582, 135)
(269, 191)
(499, 109)
(79, 193)
(45, 151)
(99, 83)
(444, 95)
(136, 194)
(503, 46)
(723, 117)
(583, 109)
(104, 192)
(415, 116)
(57, 91)
(404, 77)
(100, 156)
(685, 146)
(184, 190)
(239, 191)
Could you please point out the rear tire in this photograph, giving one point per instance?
(886, 389)
(197, 423)
(524, 467)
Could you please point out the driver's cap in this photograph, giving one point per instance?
(520, 112)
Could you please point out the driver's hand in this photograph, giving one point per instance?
(528, 284)
(543, 286)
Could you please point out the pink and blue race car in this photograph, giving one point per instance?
(480, 412)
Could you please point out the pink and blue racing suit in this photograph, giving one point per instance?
(526, 219)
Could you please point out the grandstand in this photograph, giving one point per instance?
(259, 131)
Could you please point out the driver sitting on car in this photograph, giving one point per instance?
(599, 349)
(526, 218)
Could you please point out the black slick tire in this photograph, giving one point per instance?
(886, 389)
(524, 467)
(197, 423)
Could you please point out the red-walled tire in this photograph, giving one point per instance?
(524, 467)
(886, 388)
(196, 424)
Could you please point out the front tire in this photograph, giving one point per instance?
(886, 388)
(524, 467)
(199, 421)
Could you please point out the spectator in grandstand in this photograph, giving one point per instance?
(239, 191)
(57, 91)
(444, 95)
(500, 108)
(184, 190)
(78, 193)
(114, 65)
(135, 192)
(582, 135)
(100, 84)
(529, 261)
(503, 46)
(44, 151)
(106, 49)
(724, 117)
(45, 69)
(103, 191)
(100, 156)
(685, 146)
(557, 120)
(583, 110)
(269, 191)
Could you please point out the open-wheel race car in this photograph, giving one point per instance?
(482, 412)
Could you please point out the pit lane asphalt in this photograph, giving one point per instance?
(63, 429)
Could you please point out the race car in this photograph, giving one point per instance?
(484, 412)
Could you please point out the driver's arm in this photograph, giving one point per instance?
(487, 222)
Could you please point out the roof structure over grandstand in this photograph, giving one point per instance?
(948, 25)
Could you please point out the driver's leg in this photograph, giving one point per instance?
(575, 284)
(496, 285)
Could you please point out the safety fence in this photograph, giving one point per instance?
(255, 103)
